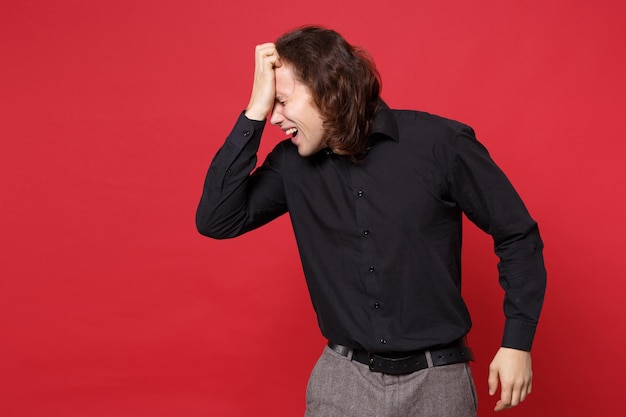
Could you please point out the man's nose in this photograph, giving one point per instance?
(277, 117)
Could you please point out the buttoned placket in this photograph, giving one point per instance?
(369, 276)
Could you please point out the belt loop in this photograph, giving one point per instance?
(429, 358)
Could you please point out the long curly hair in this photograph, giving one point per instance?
(343, 80)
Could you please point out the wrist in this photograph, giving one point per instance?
(254, 113)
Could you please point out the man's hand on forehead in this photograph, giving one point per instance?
(268, 52)
(264, 88)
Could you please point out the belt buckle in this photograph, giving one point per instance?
(370, 360)
(383, 364)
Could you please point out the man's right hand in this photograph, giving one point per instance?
(264, 87)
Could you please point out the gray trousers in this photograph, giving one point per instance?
(340, 387)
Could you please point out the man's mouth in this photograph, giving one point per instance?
(292, 132)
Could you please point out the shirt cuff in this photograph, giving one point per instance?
(244, 130)
(518, 334)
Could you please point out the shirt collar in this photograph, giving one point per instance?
(384, 123)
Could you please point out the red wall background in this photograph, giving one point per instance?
(112, 305)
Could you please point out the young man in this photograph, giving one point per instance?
(376, 198)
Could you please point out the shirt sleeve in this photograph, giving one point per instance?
(489, 200)
(234, 201)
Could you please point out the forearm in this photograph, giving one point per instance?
(523, 277)
(222, 210)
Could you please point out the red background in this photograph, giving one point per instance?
(113, 305)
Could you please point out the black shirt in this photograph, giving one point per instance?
(380, 240)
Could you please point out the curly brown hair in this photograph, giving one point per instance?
(343, 80)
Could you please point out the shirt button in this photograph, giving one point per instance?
(383, 341)
(366, 232)
(246, 133)
(372, 269)
(376, 306)
(360, 193)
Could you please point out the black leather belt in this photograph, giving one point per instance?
(401, 363)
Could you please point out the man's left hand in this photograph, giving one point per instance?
(512, 368)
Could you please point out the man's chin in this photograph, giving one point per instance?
(303, 153)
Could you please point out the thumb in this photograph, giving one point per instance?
(493, 380)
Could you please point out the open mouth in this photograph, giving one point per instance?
(292, 132)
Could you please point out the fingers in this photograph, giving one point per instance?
(266, 54)
(493, 380)
(506, 399)
(512, 370)
(512, 394)
(263, 88)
